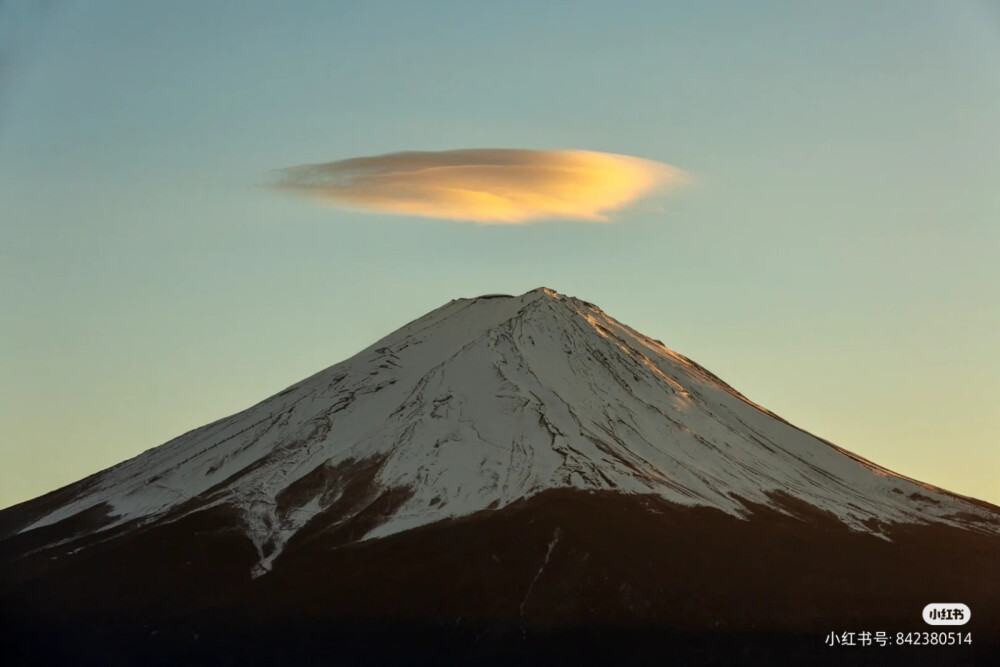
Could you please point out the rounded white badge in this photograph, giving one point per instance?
(947, 613)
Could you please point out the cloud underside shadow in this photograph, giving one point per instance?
(496, 186)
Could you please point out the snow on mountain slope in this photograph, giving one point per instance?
(485, 401)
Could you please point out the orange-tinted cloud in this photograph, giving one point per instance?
(487, 185)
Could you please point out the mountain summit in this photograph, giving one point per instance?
(486, 429)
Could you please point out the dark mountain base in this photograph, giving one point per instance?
(562, 578)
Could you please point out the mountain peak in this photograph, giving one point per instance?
(483, 402)
(530, 294)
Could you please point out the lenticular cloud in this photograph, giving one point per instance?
(497, 186)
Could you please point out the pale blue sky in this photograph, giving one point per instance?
(837, 260)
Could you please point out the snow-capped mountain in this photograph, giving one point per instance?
(472, 411)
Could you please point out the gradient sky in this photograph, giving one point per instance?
(837, 260)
